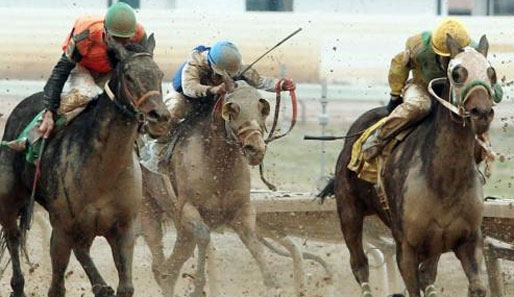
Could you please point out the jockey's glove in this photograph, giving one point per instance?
(394, 101)
(53, 88)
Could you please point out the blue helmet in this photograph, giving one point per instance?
(225, 57)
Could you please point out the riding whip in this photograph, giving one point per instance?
(268, 51)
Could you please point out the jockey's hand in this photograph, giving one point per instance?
(394, 102)
(47, 125)
(218, 90)
(287, 84)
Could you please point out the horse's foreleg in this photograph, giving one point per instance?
(100, 287)
(408, 264)
(152, 232)
(122, 246)
(428, 274)
(244, 226)
(13, 241)
(470, 256)
(184, 247)
(60, 251)
(203, 238)
(182, 251)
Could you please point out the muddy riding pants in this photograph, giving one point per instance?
(416, 105)
(81, 87)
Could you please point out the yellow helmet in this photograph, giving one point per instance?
(451, 26)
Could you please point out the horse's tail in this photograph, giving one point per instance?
(328, 190)
(25, 221)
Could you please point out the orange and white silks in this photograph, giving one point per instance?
(87, 36)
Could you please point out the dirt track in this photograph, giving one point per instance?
(239, 275)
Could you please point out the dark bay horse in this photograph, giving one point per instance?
(90, 175)
(210, 176)
(431, 181)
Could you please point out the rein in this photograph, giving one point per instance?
(456, 110)
(271, 135)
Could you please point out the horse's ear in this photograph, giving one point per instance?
(118, 48)
(150, 44)
(230, 111)
(453, 46)
(229, 82)
(264, 107)
(483, 46)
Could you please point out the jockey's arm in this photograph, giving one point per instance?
(399, 73)
(252, 77)
(191, 82)
(54, 85)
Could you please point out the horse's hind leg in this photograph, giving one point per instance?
(427, 276)
(470, 255)
(244, 226)
(60, 251)
(100, 287)
(122, 246)
(152, 232)
(351, 218)
(13, 240)
(10, 205)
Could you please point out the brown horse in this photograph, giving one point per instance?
(90, 180)
(210, 175)
(431, 181)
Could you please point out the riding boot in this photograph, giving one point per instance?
(373, 146)
(18, 145)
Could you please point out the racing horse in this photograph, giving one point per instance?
(210, 179)
(433, 189)
(90, 180)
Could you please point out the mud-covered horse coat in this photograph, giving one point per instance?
(432, 184)
(91, 180)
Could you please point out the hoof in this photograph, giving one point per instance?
(103, 291)
(13, 294)
(396, 295)
(477, 292)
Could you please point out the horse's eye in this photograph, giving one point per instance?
(491, 73)
(459, 75)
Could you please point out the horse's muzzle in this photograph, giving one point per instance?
(158, 122)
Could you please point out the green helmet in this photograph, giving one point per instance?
(120, 20)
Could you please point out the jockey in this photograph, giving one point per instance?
(86, 64)
(427, 56)
(202, 76)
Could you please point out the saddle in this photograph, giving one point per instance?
(369, 170)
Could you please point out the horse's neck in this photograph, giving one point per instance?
(453, 148)
(226, 152)
(115, 132)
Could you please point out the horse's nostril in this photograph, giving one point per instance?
(154, 115)
(475, 112)
(250, 149)
(491, 113)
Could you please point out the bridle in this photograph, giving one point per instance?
(131, 109)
